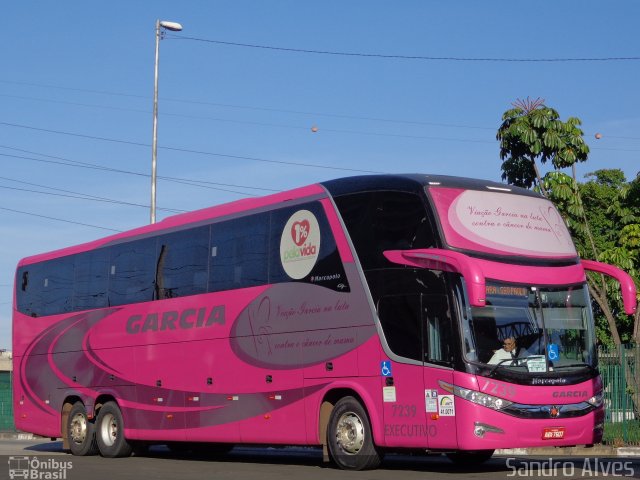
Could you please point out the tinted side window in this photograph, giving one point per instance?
(400, 318)
(379, 221)
(182, 263)
(46, 288)
(323, 267)
(238, 252)
(28, 291)
(92, 280)
(418, 327)
(132, 272)
(438, 329)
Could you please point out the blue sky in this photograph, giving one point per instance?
(76, 85)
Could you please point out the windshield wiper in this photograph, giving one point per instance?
(515, 362)
(583, 365)
(499, 364)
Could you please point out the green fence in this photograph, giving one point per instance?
(620, 370)
(6, 405)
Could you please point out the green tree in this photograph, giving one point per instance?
(532, 132)
(622, 232)
(606, 207)
(605, 227)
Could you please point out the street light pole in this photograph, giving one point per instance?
(176, 27)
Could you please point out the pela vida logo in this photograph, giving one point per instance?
(300, 244)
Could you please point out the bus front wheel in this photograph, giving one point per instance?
(349, 437)
(110, 432)
(80, 432)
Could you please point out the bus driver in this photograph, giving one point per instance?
(509, 351)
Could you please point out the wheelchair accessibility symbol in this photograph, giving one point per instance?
(553, 352)
(385, 368)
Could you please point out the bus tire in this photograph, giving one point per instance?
(470, 458)
(80, 432)
(349, 437)
(110, 432)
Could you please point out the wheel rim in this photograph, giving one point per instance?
(109, 430)
(350, 433)
(78, 428)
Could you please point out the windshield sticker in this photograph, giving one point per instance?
(300, 244)
(446, 406)
(536, 363)
(553, 352)
(431, 401)
(388, 394)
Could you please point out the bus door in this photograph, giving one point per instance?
(401, 375)
(438, 347)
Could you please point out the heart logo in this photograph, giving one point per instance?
(300, 232)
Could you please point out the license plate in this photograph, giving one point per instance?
(553, 433)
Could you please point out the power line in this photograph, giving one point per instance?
(75, 89)
(72, 163)
(79, 196)
(59, 219)
(296, 127)
(186, 150)
(229, 105)
(75, 163)
(249, 107)
(405, 57)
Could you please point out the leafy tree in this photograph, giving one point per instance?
(532, 132)
(602, 215)
(623, 248)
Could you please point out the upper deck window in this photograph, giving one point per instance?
(385, 220)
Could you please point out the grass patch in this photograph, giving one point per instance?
(622, 433)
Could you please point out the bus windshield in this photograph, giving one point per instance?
(531, 329)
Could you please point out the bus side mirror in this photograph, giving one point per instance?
(447, 261)
(628, 288)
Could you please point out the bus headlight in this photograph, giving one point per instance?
(479, 398)
(597, 400)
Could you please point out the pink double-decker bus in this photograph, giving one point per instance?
(364, 315)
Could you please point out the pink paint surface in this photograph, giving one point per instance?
(162, 372)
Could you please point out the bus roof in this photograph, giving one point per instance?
(341, 186)
(189, 218)
(415, 182)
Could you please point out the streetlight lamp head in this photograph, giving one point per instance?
(173, 26)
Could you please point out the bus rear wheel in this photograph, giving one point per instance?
(349, 437)
(110, 432)
(80, 432)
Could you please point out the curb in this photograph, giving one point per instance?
(595, 451)
(17, 436)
